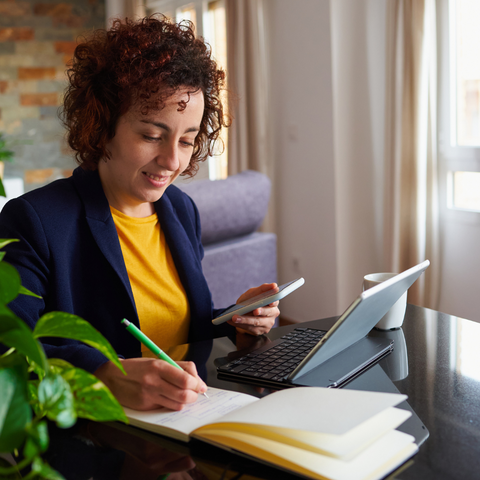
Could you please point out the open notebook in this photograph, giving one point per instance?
(309, 357)
(357, 440)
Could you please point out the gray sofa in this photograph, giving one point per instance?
(237, 257)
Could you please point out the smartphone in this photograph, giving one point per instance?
(261, 300)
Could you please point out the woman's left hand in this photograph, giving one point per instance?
(260, 320)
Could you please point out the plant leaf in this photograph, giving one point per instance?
(7, 387)
(32, 394)
(66, 325)
(37, 440)
(37, 369)
(43, 470)
(50, 390)
(13, 374)
(93, 400)
(9, 282)
(2, 189)
(15, 333)
(4, 464)
(5, 241)
(25, 291)
(56, 400)
(57, 365)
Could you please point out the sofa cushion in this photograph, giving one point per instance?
(233, 266)
(232, 207)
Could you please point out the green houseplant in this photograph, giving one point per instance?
(34, 388)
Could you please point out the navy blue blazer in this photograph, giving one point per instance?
(70, 255)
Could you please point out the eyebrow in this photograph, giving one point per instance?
(167, 128)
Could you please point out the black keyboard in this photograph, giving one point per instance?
(275, 362)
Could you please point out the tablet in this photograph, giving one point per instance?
(261, 300)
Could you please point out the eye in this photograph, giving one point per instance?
(186, 143)
(151, 139)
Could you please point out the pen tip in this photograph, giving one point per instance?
(125, 322)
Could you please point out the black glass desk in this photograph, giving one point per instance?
(436, 363)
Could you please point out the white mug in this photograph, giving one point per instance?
(394, 317)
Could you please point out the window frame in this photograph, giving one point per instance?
(452, 157)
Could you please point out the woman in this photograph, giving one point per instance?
(117, 240)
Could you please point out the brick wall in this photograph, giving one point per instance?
(37, 39)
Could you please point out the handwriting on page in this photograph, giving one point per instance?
(204, 410)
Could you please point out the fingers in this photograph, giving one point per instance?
(260, 327)
(152, 383)
(175, 388)
(258, 322)
(190, 368)
(253, 292)
(269, 311)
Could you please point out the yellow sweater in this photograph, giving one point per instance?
(162, 305)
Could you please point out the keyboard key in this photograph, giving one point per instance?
(239, 368)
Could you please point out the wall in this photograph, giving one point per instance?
(302, 126)
(358, 46)
(460, 269)
(36, 41)
(328, 76)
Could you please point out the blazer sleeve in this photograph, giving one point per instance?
(31, 256)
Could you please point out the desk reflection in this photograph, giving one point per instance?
(100, 451)
(103, 451)
(396, 363)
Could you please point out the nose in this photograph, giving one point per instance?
(168, 157)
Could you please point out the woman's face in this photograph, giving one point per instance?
(148, 152)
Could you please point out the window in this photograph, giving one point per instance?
(464, 190)
(209, 20)
(465, 74)
(460, 104)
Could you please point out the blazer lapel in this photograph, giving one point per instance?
(100, 221)
(188, 266)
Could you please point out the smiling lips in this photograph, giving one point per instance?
(155, 178)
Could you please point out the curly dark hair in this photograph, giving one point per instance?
(143, 63)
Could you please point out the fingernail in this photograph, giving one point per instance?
(238, 320)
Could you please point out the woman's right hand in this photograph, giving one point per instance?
(152, 383)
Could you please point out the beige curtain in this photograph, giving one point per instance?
(247, 81)
(247, 71)
(411, 196)
(134, 9)
(122, 9)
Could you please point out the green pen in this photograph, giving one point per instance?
(155, 349)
